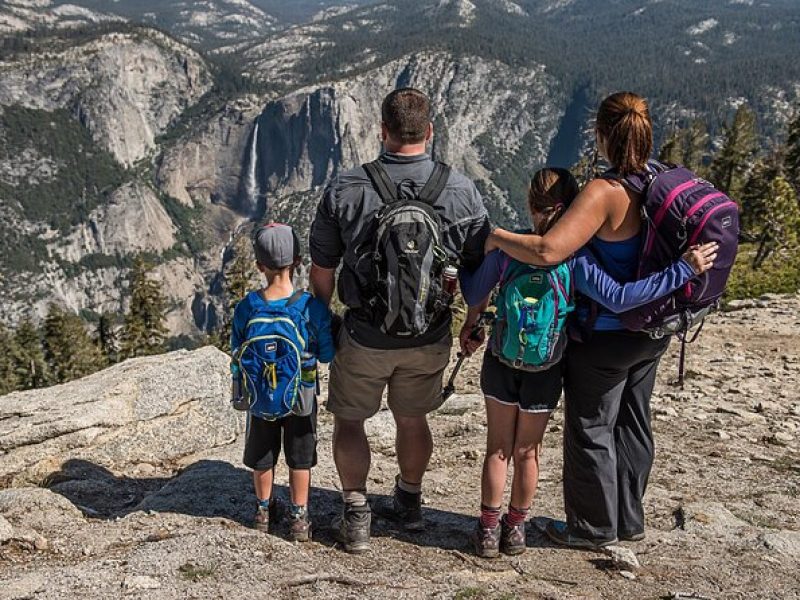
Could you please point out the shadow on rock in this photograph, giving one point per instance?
(215, 488)
(207, 488)
(97, 492)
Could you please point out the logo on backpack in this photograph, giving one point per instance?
(532, 308)
(680, 210)
(407, 257)
(272, 359)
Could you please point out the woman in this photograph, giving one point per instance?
(609, 378)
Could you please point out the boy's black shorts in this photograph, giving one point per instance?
(533, 392)
(262, 445)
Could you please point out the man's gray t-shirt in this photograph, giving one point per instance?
(345, 225)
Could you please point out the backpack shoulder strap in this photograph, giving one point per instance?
(299, 300)
(435, 184)
(381, 181)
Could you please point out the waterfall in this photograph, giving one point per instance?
(251, 183)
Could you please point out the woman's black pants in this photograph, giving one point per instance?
(608, 441)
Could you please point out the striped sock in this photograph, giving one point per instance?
(489, 516)
(516, 516)
(355, 497)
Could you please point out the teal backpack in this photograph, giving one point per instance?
(532, 307)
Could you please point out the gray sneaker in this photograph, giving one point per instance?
(512, 539)
(352, 528)
(403, 508)
(486, 541)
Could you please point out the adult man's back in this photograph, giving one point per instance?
(369, 359)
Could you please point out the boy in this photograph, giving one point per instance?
(277, 252)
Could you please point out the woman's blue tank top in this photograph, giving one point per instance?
(621, 261)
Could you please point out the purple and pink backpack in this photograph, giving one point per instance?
(680, 209)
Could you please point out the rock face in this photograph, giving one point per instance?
(207, 167)
(133, 221)
(146, 410)
(125, 88)
(481, 108)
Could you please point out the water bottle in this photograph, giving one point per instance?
(307, 394)
(449, 280)
(238, 402)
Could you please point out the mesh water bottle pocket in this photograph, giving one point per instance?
(307, 393)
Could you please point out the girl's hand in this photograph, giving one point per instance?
(701, 257)
(470, 339)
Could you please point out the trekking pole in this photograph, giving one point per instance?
(483, 320)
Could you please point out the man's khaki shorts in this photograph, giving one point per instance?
(359, 375)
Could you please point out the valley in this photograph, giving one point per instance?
(166, 131)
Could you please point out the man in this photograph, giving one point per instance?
(368, 359)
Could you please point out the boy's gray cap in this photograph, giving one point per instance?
(276, 246)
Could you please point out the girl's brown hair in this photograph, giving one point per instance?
(551, 191)
(624, 125)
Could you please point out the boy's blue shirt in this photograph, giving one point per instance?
(589, 278)
(318, 318)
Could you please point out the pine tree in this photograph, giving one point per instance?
(792, 161)
(780, 231)
(8, 372)
(69, 350)
(687, 147)
(731, 165)
(240, 278)
(672, 149)
(28, 356)
(144, 332)
(696, 146)
(107, 338)
(756, 195)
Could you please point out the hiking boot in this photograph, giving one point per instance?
(486, 540)
(558, 531)
(403, 508)
(299, 527)
(265, 518)
(512, 539)
(352, 528)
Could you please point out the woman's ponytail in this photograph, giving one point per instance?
(624, 125)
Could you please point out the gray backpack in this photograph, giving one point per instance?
(405, 294)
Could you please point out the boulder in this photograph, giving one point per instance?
(154, 409)
(37, 509)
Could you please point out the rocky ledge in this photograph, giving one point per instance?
(129, 483)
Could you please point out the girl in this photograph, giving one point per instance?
(608, 378)
(519, 402)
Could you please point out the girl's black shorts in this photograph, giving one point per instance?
(532, 391)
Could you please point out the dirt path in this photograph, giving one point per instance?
(723, 510)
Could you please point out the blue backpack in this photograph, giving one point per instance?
(271, 358)
(532, 308)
